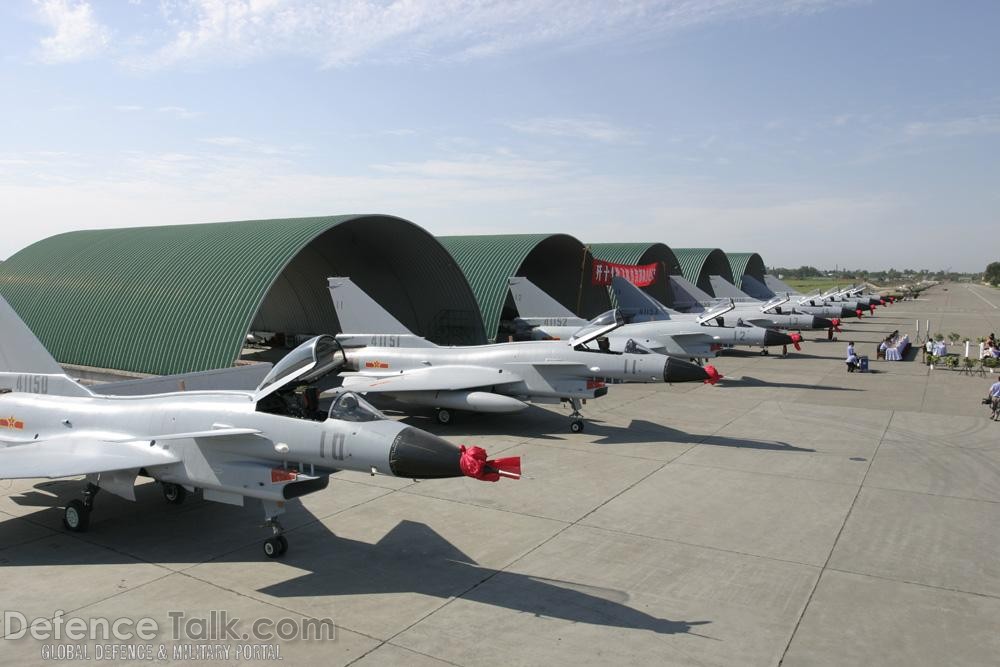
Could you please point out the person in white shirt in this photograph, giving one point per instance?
(994, 397)
(852, 358)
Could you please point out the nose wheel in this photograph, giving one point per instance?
(274, 547)
(76, 514)
(576, 425)
(443, 416)
(174, 493)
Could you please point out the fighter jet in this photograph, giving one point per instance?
(700, 336)
(273, 444)
(775, 312)
(813, 305)
(384, 357)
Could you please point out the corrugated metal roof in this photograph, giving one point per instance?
(697, 264)
(746, 262)
(159, 300)
(487, 261)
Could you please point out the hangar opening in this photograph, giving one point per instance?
(699, 264)
(746, 264)
(183, 298)
(644, 253)
(558, 263)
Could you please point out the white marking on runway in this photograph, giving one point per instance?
(982, 297)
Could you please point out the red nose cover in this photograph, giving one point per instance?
(882, 301)
(836, 324)
(796, 339)
(474, 464)
(713, 374)
(859, 312)
(871, 307)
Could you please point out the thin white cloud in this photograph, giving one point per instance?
(180, 112)
(338, 33)
(76, 32)
(956, 127)
(578, 128)
(128, 108)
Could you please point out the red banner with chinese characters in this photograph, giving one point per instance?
(640, 275)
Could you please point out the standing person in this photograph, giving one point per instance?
(994, 397)
(852, 358)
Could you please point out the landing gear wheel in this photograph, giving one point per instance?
(174, 493)
(764, 352)
(443, 416)
(274, 547)
(576, 426)
(76, 516)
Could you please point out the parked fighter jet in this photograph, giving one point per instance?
(541, 317)
(806, 304)
(273, 444)
(777, 311)
(384, 357)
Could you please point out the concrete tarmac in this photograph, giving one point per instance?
(794, 514)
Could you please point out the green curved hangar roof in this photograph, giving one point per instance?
(182, 298)
(558, 263)
(643, 253)
(698, 264)
(748, 263)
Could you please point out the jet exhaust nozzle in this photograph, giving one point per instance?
(679, 370)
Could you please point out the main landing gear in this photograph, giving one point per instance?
(76, 515)
(576, 425)
(274, 547)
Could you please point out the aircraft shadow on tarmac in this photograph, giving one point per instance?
(411, 558)
(748, 381)
(640, 431)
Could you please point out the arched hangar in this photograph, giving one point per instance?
(644, 253)
(182, 298)
(558, 263)
(699, 264)
(746, 263)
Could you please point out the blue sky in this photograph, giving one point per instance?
(823, 132)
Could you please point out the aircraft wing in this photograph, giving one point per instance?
(67, 457)
(433, 378)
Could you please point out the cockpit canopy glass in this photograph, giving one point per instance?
(307, 363)
(632, 346)
(350, 407)
(598, 326)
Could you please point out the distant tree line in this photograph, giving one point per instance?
(885, 275)
(992, 274)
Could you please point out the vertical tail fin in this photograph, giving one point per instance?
(25, 364)
(636, 305)
(756, 289)
(725, 289)
(532, 303)
(363, 321)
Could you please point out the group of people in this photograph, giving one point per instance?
(990, 348)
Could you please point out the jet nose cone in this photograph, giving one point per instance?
(822, 323)
(846, 312)
(772, 337)
(421, 455)
(678, 370)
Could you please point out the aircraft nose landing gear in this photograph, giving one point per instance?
(76, 515)
(174, 493)
(274, 547)
(576, 426)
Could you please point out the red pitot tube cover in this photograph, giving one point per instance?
(859, 312)
(796, 339)
(836, 324)
(713, 374)
(474, 464)
(871, 307)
